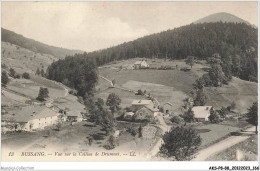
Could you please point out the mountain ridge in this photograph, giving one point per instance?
(34, 45)
(221, 17)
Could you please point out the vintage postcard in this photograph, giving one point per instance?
(129, 81)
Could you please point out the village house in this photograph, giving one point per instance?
(136, 104)
(201, 113)
(141, 64)
(74, 116)
(29, 118)
(146, 113)
(144, 110)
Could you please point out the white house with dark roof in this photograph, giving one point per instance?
(31, 118)
(141, 64)
(201, 113)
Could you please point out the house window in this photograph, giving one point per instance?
(141, 114)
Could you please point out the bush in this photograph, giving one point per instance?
(73, 92)
(4, 78)
(181, 143)
(176, 119)
(26, 75)
(110, 143)
(214, 116)
(188, 116)
(17, 76)
(139, 92)
(43, 94)
(131, 131)
(12, 72)
(161, 110)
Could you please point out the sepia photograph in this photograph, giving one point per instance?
(130, 81)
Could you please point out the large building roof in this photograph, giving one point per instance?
(141, 102)
(28, 113)
(73, 113)
(201, 111)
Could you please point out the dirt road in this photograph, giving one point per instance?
(222, 145)
(156, 148)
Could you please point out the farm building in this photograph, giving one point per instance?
(201, 113)
(74, 116)
(136, 104)
(141, 64)
(146, 113)
(29, 118)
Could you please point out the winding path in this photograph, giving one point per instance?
(222, 145)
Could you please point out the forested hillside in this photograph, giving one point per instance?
(35, 46)
(200, 40)
(236, 41)
(78, 72)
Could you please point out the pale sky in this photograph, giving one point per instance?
(91, 26)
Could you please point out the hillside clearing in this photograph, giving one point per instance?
(179, 80)
(24, 60)
(243, 93)
(126, 97)
(162, 93)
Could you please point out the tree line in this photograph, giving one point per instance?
(235, 42)
(78, 72)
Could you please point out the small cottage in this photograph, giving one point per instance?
(141, 64)
(74, 116)
(201, 113)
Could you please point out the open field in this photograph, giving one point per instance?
(210, 133)
(9, 98)
(24, 60)
(179, 80)
(162, 93)
(69, 102)
(244, 151)
(125, 96)
(243, 93)
(19, 91)
(31, 88)
(102, 85)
